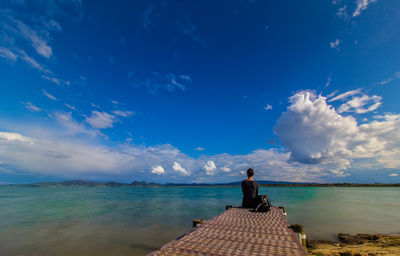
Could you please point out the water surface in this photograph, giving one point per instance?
(136, 221)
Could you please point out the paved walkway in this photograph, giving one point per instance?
(239, 232)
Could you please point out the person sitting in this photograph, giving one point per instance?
(250, 190)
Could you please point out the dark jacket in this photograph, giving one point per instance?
(250, 192)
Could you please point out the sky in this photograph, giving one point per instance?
(199, 91)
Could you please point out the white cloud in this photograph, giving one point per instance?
(225, 169)
(393, 175)
(101, 120)
(190, 29)
(186, 78)
(157, 170)
(268, 107)
(390, 79)
(56, 80)
(24, 28)
(48, 95)
(328, 82)
(315, 133)
(177, 167)
(345, 95)
(210, 168)
(356, 104)
(335, 44)
(312, 130)
(10, 136)
(320, 143)
(51, 79)
(70, 106)
(342, 12)
(123, 113)
(361, 6)
(38, 42)
(31, 107)
(168, 81)
(94, 105)
(339, 173)
(33, 63)
(199, 149)
(7, 54)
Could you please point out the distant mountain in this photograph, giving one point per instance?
(236, 183)
(89, 183)
(263, 183)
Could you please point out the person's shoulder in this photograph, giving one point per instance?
(244, 181)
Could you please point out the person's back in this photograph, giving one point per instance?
(250, 190)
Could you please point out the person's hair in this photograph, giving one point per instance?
(250, 172)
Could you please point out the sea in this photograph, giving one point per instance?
(135, 221)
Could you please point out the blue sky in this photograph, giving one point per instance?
(198, 91)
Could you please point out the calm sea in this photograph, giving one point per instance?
(136, 221)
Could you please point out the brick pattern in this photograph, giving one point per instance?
(238, 231)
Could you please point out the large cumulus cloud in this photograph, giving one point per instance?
(315, 133)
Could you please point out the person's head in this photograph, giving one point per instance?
(250, 172)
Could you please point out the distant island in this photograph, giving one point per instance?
(263, 183)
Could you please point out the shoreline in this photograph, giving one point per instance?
(356, 245)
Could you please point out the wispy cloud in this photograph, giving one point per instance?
(199, 149)
(335, 44)
(22, 33)
(345, 95)
(168, 81)
(31, 107)
(343, 10)
(70, 106)
(361, 6)
(342, 13)
(48, 95)
(390, 79)
(123, 113)
(70, 125)
(359, 104)
(268, 107)
(101, 120)
(328, 82)
(8, 55)
(190, 30)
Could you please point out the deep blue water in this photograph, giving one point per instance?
(135, 221)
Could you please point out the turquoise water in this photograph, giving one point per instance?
(136, 221)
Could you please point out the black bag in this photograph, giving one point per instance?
(263, 203)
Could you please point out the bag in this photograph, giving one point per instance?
(263, 203)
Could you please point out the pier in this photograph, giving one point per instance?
(239, 231)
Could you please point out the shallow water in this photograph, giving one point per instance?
(136, 221)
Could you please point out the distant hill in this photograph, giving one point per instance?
(263, 183)
(89, 183)
(236, 183)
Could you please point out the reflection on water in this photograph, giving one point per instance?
(136, 221)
